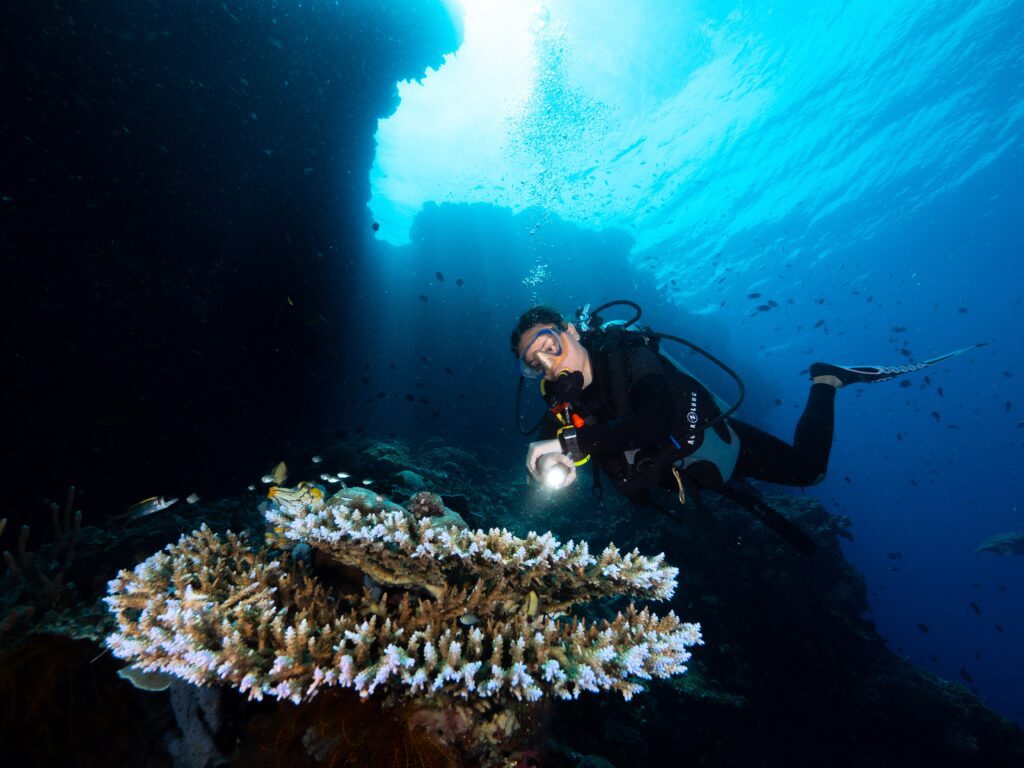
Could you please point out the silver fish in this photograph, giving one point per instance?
(149, 506)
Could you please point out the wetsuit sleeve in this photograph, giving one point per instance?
(649, 421)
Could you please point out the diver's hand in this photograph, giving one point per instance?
(542, 456)
(538, 449)
(556, 470)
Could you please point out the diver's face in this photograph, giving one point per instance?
(550, 352)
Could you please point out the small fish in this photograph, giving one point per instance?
(1008, 374)
(763, 307)
(250, 487)
(999, 627)
(898, 328)
(343, 475)
(966, 675)
(424, 297)
(778, 401)
(939, 390)
(468, 619)
(531, 604)
(962, 310)
(439, 276)
(905, 383)
(754, 295)
(148, 507)
(923, 628)
(459, 281)
(897, 555)
(975, 608)
(192, 498)
(772, 303)
(819, 324)
(367, 481)
(293, 500)
(317, 459)
(936, 415)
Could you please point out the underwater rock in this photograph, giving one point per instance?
(411, 480)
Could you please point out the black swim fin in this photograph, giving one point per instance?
(869, 374)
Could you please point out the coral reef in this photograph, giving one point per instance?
(472, 622)
(34, 584)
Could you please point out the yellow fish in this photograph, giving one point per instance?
(531, 604)
(295, 500)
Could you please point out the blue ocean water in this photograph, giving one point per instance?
(781, 184)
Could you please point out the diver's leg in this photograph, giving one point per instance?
(813, 435)
(766, 457)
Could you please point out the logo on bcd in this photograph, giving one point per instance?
(691, 417)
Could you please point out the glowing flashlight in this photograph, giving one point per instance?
(555, 475)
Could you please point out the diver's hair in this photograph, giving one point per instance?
(542, 314)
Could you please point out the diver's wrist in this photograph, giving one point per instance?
(568, 438)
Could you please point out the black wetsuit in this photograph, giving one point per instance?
(667, 407)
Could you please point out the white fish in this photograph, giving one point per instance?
(367, 482)
(251, 487)
(267, 479)
(328, 478)
(317, 459)
(343, 475)
(192, 498)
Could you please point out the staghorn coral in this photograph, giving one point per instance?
(471, 622)
(34, 585)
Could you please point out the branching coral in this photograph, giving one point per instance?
(471, 616)
(34, 580)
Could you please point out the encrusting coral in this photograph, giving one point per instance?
(419, 608)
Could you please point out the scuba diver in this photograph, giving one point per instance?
(614, 396)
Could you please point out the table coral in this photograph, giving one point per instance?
(467, 620)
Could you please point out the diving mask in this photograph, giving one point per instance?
(542, 352)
